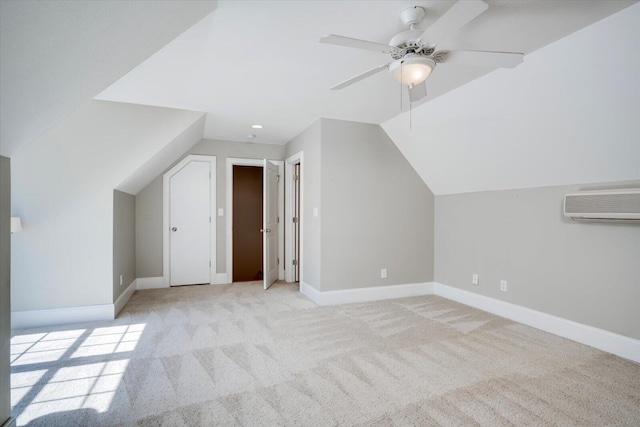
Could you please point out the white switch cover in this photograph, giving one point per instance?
(503, 285)
(220, 212)
(383, 273)
(121, 281)
(474, 279)
(315, 212)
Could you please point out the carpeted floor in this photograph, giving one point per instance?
(237, 355)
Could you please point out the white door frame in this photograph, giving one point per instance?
(289, 212)
(166, 220)
(231, 162)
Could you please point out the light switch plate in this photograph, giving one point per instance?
(474, 279)
(220, 212)
(503, 285)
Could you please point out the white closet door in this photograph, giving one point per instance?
(190, 224)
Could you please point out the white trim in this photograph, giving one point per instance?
(123, 298)
(619, 345)
(310, 292)
(166, 274)
(288, 216)
(231, 161)
(376, 293)
(61, 316)
(11, 422)
(150, 283)
(626, 347)
(280, 165)
(221, 279)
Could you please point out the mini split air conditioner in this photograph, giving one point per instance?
(621, 206)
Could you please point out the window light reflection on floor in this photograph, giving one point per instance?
(69, 370)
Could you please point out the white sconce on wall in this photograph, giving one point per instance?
(16, 224)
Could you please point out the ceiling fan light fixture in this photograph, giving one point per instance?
(412, 69)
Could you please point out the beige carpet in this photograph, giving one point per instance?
(237, 355)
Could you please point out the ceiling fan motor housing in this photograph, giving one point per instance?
(412, 16)
(407, 41)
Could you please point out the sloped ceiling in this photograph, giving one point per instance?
(260, 61)
(56, 55)
(564, 116)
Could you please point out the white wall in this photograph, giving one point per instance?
(63, 189)
(567, 115)
(57, 54)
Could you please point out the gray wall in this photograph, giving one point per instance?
(588, 273)
(149, 230)
(5, 288)
(376, 211)
(149, 203)
(309, 143)
(124, 241)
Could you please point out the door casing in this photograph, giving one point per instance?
(289, 213)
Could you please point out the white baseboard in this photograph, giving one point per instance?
(619, 345)
(610, 342)
(124, 298)
(61, 316)
(221, 279)
(310, 292)
(150, 283)
(348, 296)
(11, 422)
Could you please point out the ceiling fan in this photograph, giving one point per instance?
(414, 51)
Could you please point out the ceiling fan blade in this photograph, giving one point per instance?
(482, 58)
(417, 92)
(459, 15)
(357, 43)
(359, 77)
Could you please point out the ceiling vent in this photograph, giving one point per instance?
(622, 206)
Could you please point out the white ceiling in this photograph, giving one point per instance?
(56, 55)
(260, 61)
(557, 119)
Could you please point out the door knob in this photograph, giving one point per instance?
(174, 229)
(265, 230)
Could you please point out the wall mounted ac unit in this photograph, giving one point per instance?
(604, 206)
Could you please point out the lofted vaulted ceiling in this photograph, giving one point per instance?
(55, 55)
(260, 61)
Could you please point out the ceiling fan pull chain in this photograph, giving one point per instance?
(410, 108)
(401, 76)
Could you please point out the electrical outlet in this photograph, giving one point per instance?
(474, 279)
(121, 282)
(503, 285)
(383, 273)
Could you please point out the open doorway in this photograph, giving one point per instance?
(296, 223)
(272, 233)
(247, 222)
